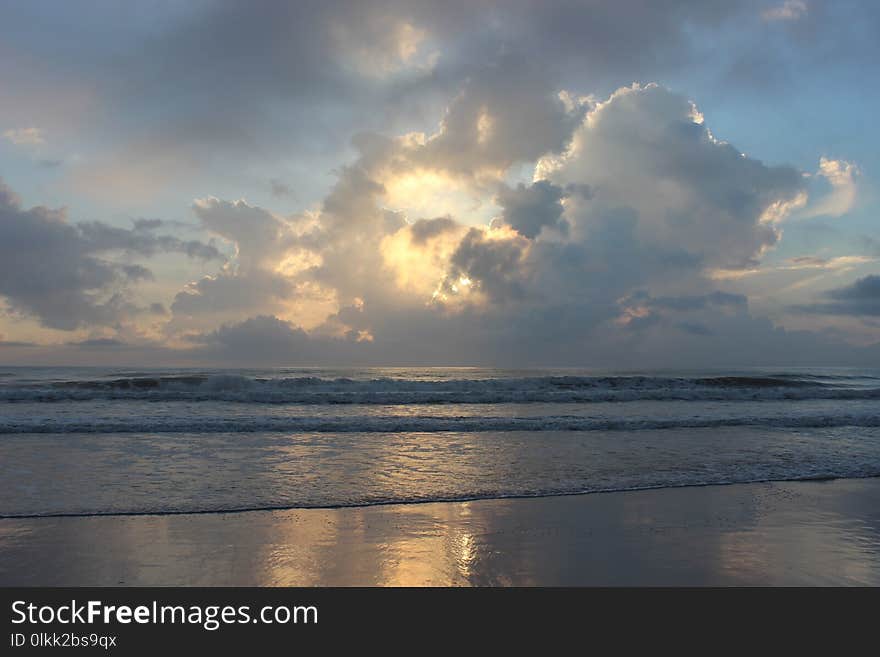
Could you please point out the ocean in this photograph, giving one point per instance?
(91, 441)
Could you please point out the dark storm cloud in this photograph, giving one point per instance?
(860, 299)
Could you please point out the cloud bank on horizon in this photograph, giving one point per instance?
(394, 182)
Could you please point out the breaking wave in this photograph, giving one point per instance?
(420, 424)
(388, 391)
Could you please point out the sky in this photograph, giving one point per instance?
(628, 184)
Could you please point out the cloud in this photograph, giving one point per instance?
(640, 310)
(417, 254)
(209, 87)
(268, 339)
(790, 10)
(689, 303)
(25, 136)
(63, 274)
(528, 210)
(649, 150)
(265, 274)
(267, 330)
(379, 45)
(142, 241)
(98, 343)
(201, 91)
(859, 299)
(12, 344)
(808, 264)
(842, 177)
(648, 191)
(229, 291)
(695, 328)
(260, 237)
(487, 205)
(279, 188)
(492, 262)
(423, 230)
(837, 263)
(632, 206)
(497, 120)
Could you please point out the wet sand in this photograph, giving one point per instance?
(790, 533)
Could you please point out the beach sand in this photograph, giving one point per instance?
(790, 533)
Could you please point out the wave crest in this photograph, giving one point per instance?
(421, 424)
(387, 390)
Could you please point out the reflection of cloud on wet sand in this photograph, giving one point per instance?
(826, 541)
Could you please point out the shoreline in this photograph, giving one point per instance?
(449, 500)
(824, 532)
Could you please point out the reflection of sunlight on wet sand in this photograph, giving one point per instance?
(441, 553)
(412, 548)
(786, 533)
(292, 557)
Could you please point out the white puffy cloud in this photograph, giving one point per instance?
(648, 150)
(634, 203)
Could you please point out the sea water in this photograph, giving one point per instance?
(83, 441)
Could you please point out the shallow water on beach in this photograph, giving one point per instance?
(91, 441)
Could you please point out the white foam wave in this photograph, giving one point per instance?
(389, 391)
(419, 424)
